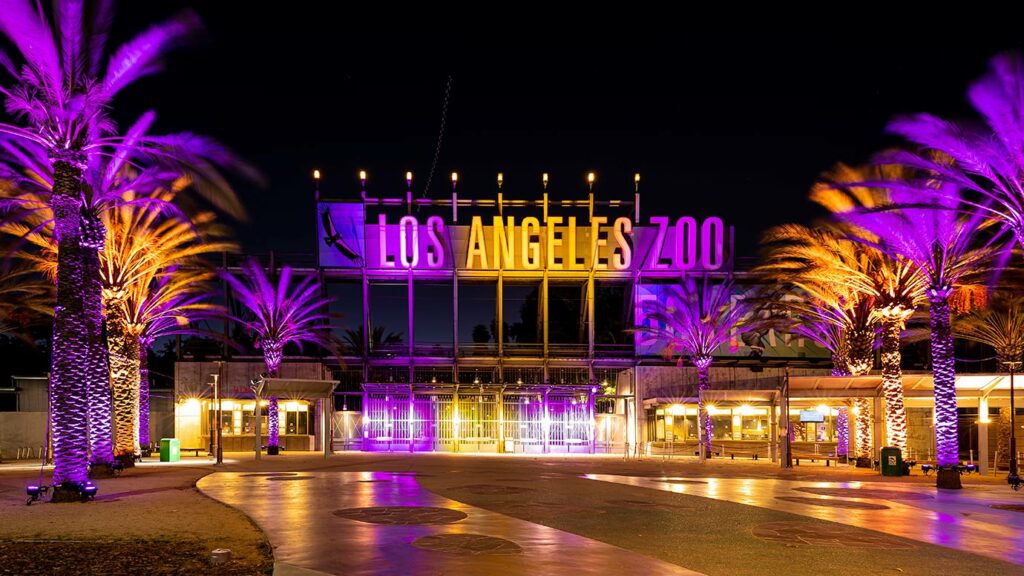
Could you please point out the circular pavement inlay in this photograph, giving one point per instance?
(494, 489)
(853, 504)
(866, 493)
(402, 515)
(284, 478)
(826, 535)
(270, 474)
(467, 544)
(1010, 507)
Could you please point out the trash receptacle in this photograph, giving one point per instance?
(510, 446)
(892, 462)
(170, 450)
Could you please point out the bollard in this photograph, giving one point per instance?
(220, 556)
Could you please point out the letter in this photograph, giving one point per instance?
(659, 243)
(686, 244)
(623, 254)
(382, 237)
(553, 222)
(531, 247)
(597, 242)
(504, 243)
(570, 259)
(435, 249)
(712, 250)
(476, 244)
(409, 261)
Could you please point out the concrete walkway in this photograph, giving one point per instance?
(960, 519)
(380, 523)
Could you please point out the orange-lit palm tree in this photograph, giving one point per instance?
(142, 245)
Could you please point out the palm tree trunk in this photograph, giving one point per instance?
(144, 394)
(944, 375)
(272, 422)
(101, 448)
(70, 355)
(704, 419)
(863, 441)
(272, 356)
(840, 364)
(842, 433)
(892, 384)
(124, 380)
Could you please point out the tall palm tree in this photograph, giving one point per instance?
(826, 261)
(983, 159)
(380, 337)
(694, 321)
(922, 222)
(61, 87)
(280, 313)
(26, 299)
(142, 245)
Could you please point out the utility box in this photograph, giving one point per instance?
(892, 462)
(170, 450)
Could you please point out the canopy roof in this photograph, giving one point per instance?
(298, 389)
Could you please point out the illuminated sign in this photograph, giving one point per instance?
(811, 416)
(525, 244)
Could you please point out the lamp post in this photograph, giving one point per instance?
(256, 384)
(220, 414)
(1013, 479)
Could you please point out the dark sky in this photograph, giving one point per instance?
(721, 118)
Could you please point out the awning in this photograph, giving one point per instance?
(296, 389)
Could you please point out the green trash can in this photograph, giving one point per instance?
(892, 462)
(170, 450)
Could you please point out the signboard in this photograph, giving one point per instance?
(520, 243)
(811, 416)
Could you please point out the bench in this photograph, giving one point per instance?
(194, 451)
(815, 458)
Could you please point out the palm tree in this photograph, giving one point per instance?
(694, 321)
(143, 244)
(62, 87)
(279, 314)
(984, 160)
(830, 265)
(1000, 326)
(921, 222)
(26, 299)
(380, 337)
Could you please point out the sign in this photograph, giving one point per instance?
(520, 243)
(811, 416)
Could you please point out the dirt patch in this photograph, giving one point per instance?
(103, 558)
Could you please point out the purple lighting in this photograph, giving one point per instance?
(272, 422)
(842, 433)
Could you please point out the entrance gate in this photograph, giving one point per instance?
(450, 418)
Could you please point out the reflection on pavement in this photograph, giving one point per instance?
(385, 523)
(960, 519)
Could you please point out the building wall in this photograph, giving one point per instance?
(21, 430)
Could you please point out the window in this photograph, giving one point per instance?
(389, 319)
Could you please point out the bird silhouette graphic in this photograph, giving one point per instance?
(334, 238)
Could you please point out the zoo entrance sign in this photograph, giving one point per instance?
(561, 243)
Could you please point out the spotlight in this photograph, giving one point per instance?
(89, 490)
(34, 491)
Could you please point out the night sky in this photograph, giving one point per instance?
(720, 118)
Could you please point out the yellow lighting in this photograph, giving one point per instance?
(190, 407)
(745, 410)
(590, 177)
(291, 406)
(227, 405)
(676, 410)
(362, 174)
(501, 178)
(855, 410)
(455, 176)
(823, 409)
(316, 174)
(408, 176)
(636, 177)
(710, 408)
(264, 402)
(544, 177)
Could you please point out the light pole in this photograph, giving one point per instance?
(220, 415)
(256, 384)
(1013, 479)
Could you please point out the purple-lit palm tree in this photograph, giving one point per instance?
(61, 88)
(280, 313)
(925, 223)
(694, 321)
(986, 160)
